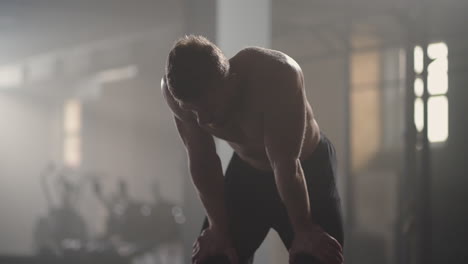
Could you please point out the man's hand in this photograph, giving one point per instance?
(316, 242)
(212, 243)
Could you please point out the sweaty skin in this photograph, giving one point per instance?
(268, 122)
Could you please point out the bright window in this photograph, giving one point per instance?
(418, 59)
(419, 114)
(72, 133)
(437, 86)
(11, 76)
(437, 122)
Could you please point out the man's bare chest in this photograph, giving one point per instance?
(243, 129)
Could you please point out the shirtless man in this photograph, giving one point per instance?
(282, 173)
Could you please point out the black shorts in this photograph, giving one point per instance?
(254, 206)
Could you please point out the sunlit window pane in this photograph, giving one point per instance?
(418, 87)
(437, 83)
(11, 76)
(72, 151)
(419, 114)
(438, 65)
(437, 50)
(117, 74)
(418, 59)
(72, 118)
(437, 118)
(72, 135)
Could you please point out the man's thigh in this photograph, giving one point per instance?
(247, 220)
(247, 235)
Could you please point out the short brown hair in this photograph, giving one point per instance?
(194, 61)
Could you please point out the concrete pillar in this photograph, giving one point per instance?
(239, 24)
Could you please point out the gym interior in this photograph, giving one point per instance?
(92, 169)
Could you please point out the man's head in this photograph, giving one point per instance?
(197, 73)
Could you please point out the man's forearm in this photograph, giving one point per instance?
(292, 188)
(207, 176)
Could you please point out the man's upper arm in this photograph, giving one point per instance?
(284, 118)
(197, 141)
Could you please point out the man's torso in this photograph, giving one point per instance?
(244, 131)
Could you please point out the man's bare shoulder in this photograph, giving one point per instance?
(271, 72)
(267, 68)
(270, 57)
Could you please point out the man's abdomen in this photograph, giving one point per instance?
(255, 155)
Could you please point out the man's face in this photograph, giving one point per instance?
(209, 107)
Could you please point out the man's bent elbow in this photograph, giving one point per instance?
(287, 168)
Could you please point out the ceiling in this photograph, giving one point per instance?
(320, 27)
(33, 27)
